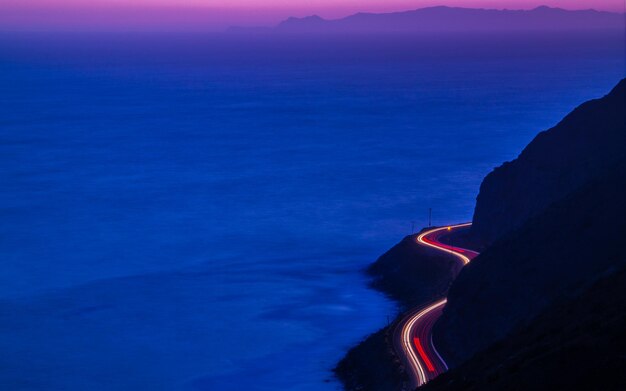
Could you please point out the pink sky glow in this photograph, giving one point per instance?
(207, 15)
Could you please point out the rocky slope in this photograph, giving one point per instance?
(585, 143)
(560, 221)
(554, 256)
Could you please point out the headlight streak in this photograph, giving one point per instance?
(421, 239)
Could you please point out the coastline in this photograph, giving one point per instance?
(412, 275)
(532, 212)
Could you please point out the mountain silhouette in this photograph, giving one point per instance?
(442, 18)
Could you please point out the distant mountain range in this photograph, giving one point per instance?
(441, 19)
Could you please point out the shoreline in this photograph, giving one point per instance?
(374, 362)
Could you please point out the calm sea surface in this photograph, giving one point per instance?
(195, 212)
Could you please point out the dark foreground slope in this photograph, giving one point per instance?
(553, 257)
(571, 234)
(584, 144)
(573, 345)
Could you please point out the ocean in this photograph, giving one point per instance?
(195, 212)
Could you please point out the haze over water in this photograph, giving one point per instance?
(194, 211)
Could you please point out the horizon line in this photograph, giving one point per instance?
(149, 19)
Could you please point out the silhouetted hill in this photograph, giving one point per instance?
(306, 23)
(438, 19)
(562, 204)
(584, 144)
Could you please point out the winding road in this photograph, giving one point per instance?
(414, 332)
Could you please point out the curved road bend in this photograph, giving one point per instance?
(413, 335)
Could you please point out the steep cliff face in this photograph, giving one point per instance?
(554, 256)
(559, 221)
(585, 143)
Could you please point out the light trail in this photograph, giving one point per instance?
(416, 329)
(423, 355)
(443, 247)
(407, 338)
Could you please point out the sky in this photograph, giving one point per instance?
(215, 15)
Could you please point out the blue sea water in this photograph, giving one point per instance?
(195, 212)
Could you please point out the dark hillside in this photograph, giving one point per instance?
(559, 213)
(582, 146)
(573, 345)
(554, 256)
